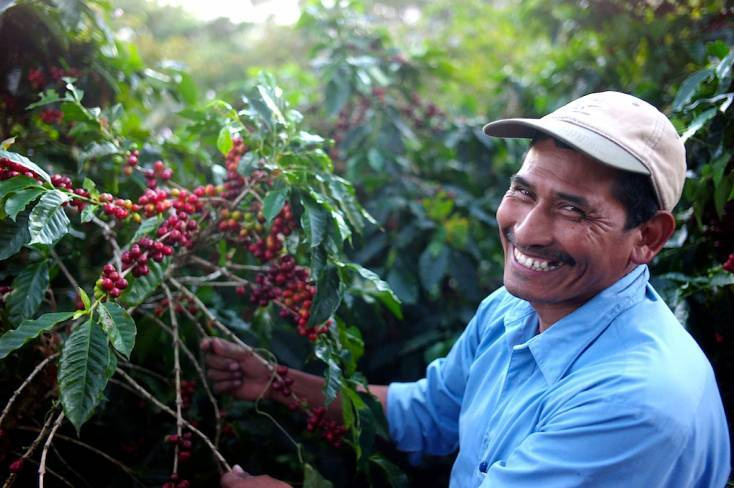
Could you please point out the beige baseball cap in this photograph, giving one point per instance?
(616, 129)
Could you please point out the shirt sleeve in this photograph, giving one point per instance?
(423, 416)
(600, 444)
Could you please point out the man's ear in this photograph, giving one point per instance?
(653, 234)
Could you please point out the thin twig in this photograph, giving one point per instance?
(147, 371)
(64, 270)
(25, 383)
(44, 453)
(145, 394)
(176, 375)
(51, 472)
(42, 434)
(202, 376)
(111, 237)
(109, 458)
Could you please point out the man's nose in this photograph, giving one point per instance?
(534, 228)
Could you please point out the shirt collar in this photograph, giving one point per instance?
(558, 346)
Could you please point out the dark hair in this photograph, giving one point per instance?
(633, 190)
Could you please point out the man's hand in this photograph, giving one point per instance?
(238, 478)
(235, 370)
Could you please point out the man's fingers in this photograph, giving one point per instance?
(233, 479)
(219, 362)
(225, 386)
(223, 374)
(221, 347)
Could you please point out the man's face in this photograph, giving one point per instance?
(562, 230)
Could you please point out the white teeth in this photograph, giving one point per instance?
(534, 263)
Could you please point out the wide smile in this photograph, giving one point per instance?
(535, 264)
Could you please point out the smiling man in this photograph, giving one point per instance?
(575, 373)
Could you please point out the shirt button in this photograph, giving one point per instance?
(483, 467)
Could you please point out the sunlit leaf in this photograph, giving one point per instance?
(48, 222)
(119, 326)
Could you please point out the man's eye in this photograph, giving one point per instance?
(574, 210)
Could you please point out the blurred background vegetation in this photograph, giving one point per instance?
(403, 88)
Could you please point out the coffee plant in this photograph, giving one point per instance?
(114, 267)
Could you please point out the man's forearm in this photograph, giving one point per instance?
(310, 387)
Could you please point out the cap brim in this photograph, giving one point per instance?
(587, 141)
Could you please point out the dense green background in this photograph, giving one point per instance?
(403, 102)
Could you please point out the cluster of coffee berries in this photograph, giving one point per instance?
(186, 201)
(423, 114)
(184, 443)
(57, 73)
(131, 163)
(10, 169)
(154, 202)
(178, 229)
(331, 430)
(60, 181)
(188, 388)
(51, 116)
(729, 264)
(117, 207)
(270, 246)
(159, 171)
(234, 181)
(4, 291)
(37, 79)
(141, 252)
(111, 282)
(282, 383)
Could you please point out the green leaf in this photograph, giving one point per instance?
(6, 143)
(98, 151)
(48, 221)
(85, 298)
(337, 93)
(19, 201)
(267, 107)
(13, 235)
(313, 479)
(432, 268)
(333, 373)
(16, 183)
(689, 87)
(143, 286)
(28, 289)
(328, 296)
(26, 163)
(724, 67)
(405, 284)
(273, 203)
(697, 123)
(83, 371)
(224, 141)
(88, 213)
(316, 219)
(28, 330)
(119, 326)
(146, 227)
(187, 88)
(394, 475)
(376, 287)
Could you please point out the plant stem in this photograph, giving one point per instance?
(145, 394)
(25, 383)
(44, 453)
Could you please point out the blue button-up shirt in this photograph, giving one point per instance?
(616, 393)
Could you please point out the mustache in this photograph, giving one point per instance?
(544, 252)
